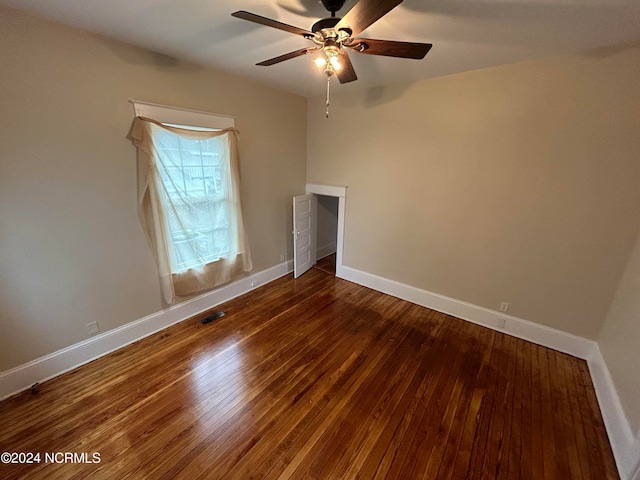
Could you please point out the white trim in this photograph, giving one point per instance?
(23, 376)
(339, 191)
(342, 208)
(626, 448)
(182, 116)
(328, 190)
(518, 327)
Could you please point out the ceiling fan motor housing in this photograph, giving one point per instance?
(325, 23)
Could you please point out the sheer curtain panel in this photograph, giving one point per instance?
(189, 205)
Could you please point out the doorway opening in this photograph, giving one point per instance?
(318, 234)
(326, 233)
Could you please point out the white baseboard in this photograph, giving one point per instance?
(626, 448)
(533, 332)
(23, 376)
(325, 250)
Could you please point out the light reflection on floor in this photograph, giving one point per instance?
(220, 373)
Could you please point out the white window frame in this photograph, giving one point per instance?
(182, 118)
(175, 116)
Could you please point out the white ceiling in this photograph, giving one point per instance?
(466, 34)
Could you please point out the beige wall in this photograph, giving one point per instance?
(620, 340)
(71, 247)
(518, 183)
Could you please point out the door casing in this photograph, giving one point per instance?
(340, 192)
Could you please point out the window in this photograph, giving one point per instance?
(189, 205)
(197, 199)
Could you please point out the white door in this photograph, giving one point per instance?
(304, 233)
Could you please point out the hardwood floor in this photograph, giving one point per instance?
(327, 264)
(317, 378)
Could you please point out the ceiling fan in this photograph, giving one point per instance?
(334, 36)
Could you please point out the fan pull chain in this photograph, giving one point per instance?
(328, 83)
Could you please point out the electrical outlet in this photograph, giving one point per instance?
(93, 328)
(504, 306)
(283, 257)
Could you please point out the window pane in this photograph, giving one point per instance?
(198, 209)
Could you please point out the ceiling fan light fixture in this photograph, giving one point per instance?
(320, 61)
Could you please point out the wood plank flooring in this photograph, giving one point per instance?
(317, 378)
(327, 264)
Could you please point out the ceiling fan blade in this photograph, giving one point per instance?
(287, 56)
(390, 48)
(365, 13)
(252, 17)
(346, 73)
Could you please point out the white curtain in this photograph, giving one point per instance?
(189, 206)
